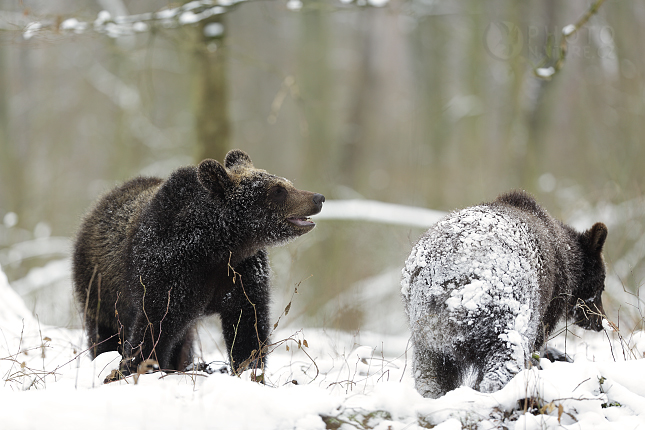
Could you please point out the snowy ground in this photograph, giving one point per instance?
(337, 381)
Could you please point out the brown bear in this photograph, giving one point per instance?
(154, 256)
(485, 286)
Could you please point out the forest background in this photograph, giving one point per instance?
(427, 103)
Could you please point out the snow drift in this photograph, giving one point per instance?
(343, 381)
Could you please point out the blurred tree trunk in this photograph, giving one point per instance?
(211, 99)
(537, 108)
(430, 51)
(14, 147)
(315, 84)
(352, 158)
(5, 158)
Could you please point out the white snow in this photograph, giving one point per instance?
(470, 296)
(140, 27)
(294, 4)
(545, 72)
(192, 5)
(10, 219)
(167, 13)
(569, 29)
(69, 24)
(102, 17)
(31, 29)
(362, 381)
(213, 29)
(188, 17)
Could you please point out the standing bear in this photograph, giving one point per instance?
(154, 256)
(485, 286)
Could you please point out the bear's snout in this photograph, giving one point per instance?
(589, 314)
(318, 199)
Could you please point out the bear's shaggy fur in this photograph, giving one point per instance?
(485, 286)
(153, 256)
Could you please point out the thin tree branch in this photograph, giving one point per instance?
(568, 31)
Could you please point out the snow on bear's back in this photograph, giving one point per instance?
(478, 266)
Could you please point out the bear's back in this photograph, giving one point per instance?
(109, 226)
(524, 202)
(471, 269)
(117, 209)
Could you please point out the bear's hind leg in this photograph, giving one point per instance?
(435, 372)
(182, 354)
(499, 368)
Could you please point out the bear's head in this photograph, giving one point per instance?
(266, 209)
(587, 310)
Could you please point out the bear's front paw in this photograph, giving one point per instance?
(125, 370)
(208, 368)
(114, 375)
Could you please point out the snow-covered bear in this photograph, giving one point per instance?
(485, 286)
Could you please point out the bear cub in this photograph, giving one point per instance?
(485, 286)
(154, 256)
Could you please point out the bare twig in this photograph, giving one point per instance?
(154, 345)
(547, 72)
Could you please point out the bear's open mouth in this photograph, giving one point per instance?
(301, 221)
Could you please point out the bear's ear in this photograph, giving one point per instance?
(594, 238)
(213, 176)
(237, 157)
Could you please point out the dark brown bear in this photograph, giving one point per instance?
(156, 255)
(485, 286)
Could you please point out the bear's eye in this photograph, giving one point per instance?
(278, 194)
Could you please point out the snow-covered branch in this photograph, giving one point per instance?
(547, 72)
(375, 211)
(114, 24)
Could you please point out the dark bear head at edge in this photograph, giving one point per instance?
(588, 311)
